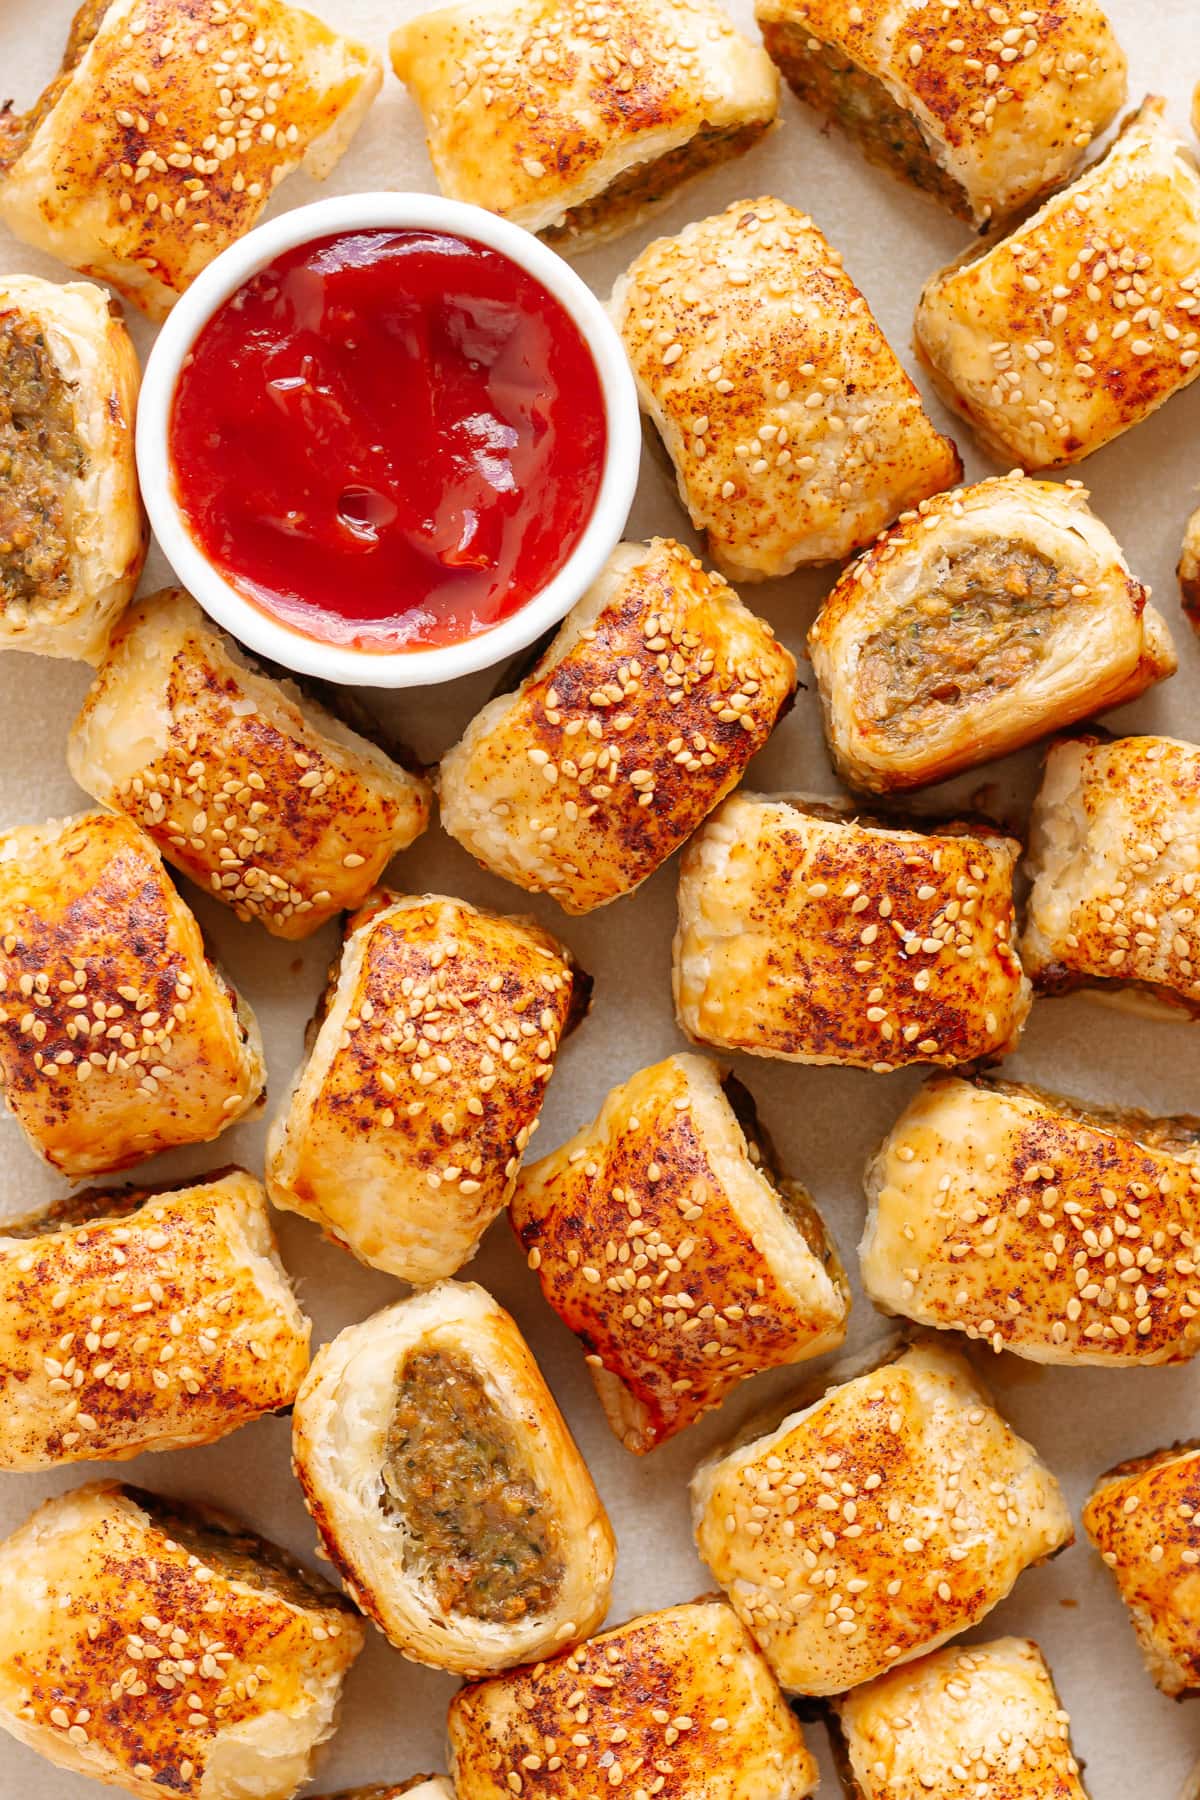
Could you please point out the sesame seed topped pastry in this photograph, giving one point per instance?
(1056, 339)
(983, 620)
(810, 934)
(118, 1037)
(642, 714)
(964, 1723)
(1115, 863)
(1063, 1234)
(794, 432)
(134, 1321)
(260, 795)
(447, 1488)
(664, 1239)
(405, 1125)
(891, 1515)
(1144, 1518)
(163, 1648)
(985, 107)
(72, 532)
(576, 121)
(168, 129)
(684, 1693)
(1189, 570)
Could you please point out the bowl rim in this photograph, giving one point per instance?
(269, 637)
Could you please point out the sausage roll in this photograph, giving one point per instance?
(1054, 340)
(1063, 1234)
(678, 1703)
(1189, 570)
(986, 111)
(447, 1488)
(406, 1123)
(72, 531)
(664, 1238)
(794, 432)
(163, 1648)
(417, 1787)
(118, 1037)
(143, 1321)
(876, 1524)
(1144, 1518)
(639, 718)
(986, 619)
(168, 129)
(1115, 864)
(576, 124)
(809, 934)
(966, 1722)
(182, 732)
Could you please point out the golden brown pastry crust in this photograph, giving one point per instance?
(257, 793)
(684, 1692)
(1144, 1518)
(405, 1125)
(661, 1238)
(118, 1037)
(1189, 571)
(794, 432)
(639, 718)
(1056, 339)
(1040, 624)
(809, 935)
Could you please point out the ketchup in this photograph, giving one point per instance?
(389, 439)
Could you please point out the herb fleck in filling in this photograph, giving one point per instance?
(40, 455)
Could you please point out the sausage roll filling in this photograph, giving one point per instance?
(1144, 1518)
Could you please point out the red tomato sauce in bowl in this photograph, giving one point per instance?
(389, 439)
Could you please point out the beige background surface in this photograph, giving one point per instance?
(825, 1121)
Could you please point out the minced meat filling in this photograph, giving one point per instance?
(653, 180)
(40, 455)
(476, 1520)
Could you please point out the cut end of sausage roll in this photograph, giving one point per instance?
(72, 531)
(1059, 1232)
(674, 1167)
(914, 87)
(810, 934)
(598, 121)
(1115, 863)
(1030, 338)
(405, 1126)
(261, 796)
(447, 1488)
(1144, 1518)
(937, 1508)
(684, 1692)
(1189, 571)
(118, 1038)
(249, 1649)
(417, 1787)
(583, 782)
(964, 1722)
(794, 432)
(983, 620)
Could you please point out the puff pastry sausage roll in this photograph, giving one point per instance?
(959, 1724)
(1062, 1234)
(72, 532)
(1058, 338)
(665, 1240)
(901, 1491)
(405, 1126)
(264, 798)
(168, 129)
(447, 1488)
(163, 1648)
(1189, 570)
(1115, 862)
(795, 434)
(639, 718)
(809, 934)
(984, 110)
(134, 1321)
(576, 124)
(685, 1693)
(988, 618)
(118, 1037)
(1144, 1518)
